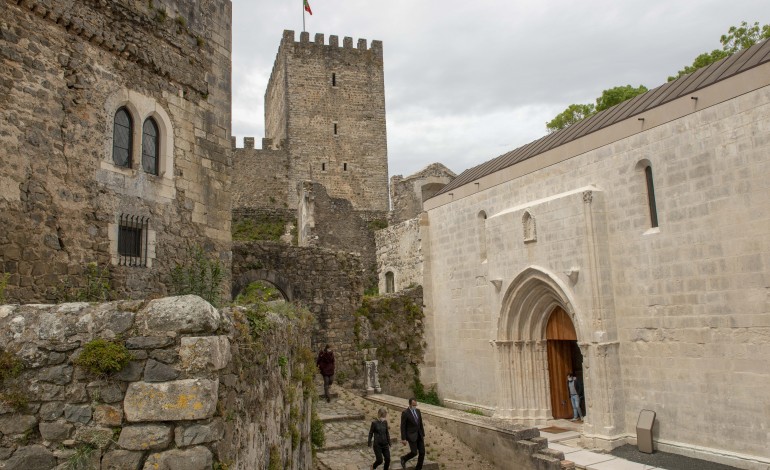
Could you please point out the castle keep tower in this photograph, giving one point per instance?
(326, 105)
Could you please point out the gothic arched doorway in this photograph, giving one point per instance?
(525, 385)
(564, 356)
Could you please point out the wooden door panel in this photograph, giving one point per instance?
(559, 364)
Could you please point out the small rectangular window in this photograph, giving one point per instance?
(334, 79)
(323, 166)
(344, 167)
(132, 240)
(335, 128)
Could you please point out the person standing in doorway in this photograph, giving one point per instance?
(412, 432)
(573, 386)
(380, 437)
(325, 363)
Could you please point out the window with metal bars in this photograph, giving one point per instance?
(132, 240)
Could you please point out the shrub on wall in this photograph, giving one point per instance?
(102, 357)
(93, 285)
(198, 275)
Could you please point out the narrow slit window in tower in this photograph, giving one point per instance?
(651, 196)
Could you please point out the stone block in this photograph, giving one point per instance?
(183, 314)
(122, 460)
(108, 415)
(155, 371)
(166, 356)
(148, 342)
(106, 392)
(193, 434)
(194, 458)
(179, 400)
(11, 424)
(99, 436)
(145, 437)
(77, 413)
(56, 431)
(207, 352)
(51, 411)
(131, 373)
(31, 457)
(60, 375)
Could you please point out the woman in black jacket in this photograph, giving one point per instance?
(379, 433)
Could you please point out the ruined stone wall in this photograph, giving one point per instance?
(66, 68)
(334, 223)
(399, 251)
(407, 194)
(199, 389)
(261, 177)
(317, 87)
(330, 283)
(393, 324)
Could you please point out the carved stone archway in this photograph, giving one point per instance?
(522, 362)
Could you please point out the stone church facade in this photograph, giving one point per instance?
(116, 140)
(632, 248)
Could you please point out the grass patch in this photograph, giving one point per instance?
(256, 292)
(3, 285)
(10, 365)
(101, 357)
(248, 230)
(475, 411)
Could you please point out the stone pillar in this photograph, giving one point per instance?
(372, 377)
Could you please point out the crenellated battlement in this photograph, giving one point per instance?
(248, 143)
(319, 40)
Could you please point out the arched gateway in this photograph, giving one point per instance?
(537, 336)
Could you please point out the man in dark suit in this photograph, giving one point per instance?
(412, 432)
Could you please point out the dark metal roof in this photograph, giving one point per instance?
(737, 63)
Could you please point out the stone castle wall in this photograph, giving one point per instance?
(261, 177)
(399, 251)
(408, 193)
(315, 87)
(330, 283)
(334, 223)
(199, 390)
(67, 68)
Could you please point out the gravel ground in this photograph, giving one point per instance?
(667, 461)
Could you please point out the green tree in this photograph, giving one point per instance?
(577, 112)
(736, 39)
(574, 113)
(616, 95)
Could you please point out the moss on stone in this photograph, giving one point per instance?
(101, 357)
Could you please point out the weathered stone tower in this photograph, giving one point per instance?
(326, 105)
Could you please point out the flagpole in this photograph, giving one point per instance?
(303, 16)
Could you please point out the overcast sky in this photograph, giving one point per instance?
(466, 81)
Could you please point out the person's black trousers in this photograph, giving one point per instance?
(416, 448)
(379, 453)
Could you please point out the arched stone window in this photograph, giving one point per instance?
(651, 196)
(530, 230)
(646, 167)
(481, 222)
(150, 147)
(122, 134)
(390, 282)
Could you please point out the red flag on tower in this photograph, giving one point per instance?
(307, 7)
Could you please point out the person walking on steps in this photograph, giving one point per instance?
(380, 438)
(573, 386)
(325, 363)
(412, 432)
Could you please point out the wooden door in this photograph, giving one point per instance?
(561, 345)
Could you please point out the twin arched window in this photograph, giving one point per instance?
(122, 149)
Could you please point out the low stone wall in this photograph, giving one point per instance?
(505, 444)
(393, 324)
(203, 388)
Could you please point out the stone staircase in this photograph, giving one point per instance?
(346, 431)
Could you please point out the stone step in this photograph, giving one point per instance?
(336, 417)
(348, 434)
(362, 459)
